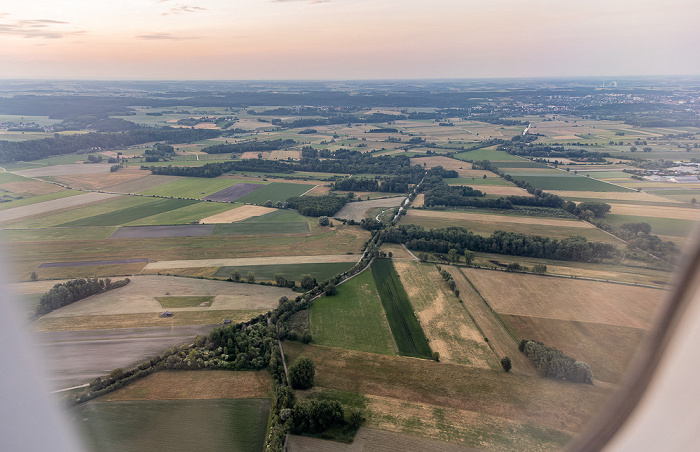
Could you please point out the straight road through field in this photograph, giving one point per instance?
(78, 357)
(499, 340)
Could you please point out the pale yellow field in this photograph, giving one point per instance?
(655, 211)
(419, 201)
(622, 196)
(30, 188)
(464, 169)
(254, 155)
(237, 214)
(193, 385)
(567, 299)
(498, 218)
(501, 190)
(445, 321)
(245, 261)
(284, 155)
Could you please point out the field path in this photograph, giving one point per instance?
(500, 341)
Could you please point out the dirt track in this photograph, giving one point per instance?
(244, 261)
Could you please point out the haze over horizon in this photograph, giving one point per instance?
(346, 39)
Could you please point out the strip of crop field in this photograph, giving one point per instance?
(130, 214)
(407, 332)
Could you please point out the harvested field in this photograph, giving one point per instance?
(679, 213)
(152, 319)
(66, 170)
(41, 208)
(445, 321)
(246, 261)
(567, 299)
(461, 428)
(620, 195)
(233, 192)
(522, 398)
(608, 349)
(138, 296)
(196, 385)
(419, 201)
(407, 331)
(284, 155)
(397, 251)
(319, 190)
(499, 340)
(99, 181)
(353, 318)
(476, 217)
(143, 183)
(501, 190)
(237, 214)
(63, 193)
(91, 263)
(276, 191)
(464, 169)
(76, 357)
(357, 210)
(30, 188)
(143, 232)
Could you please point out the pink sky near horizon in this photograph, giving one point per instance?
(347, 39)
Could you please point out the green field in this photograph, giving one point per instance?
(6, 177)
(567, 181)
(407, 332)
(187, 214)
(57, 234)
(166, 425)
(488, 154)
(663, 226)
(130, 214)
(277, 222)
(185, 302)
(56, 160)
(353, 318)
(521, 163)
(493, 180)
(39, 198)
(320, 271)
(275, 191)
(193, 187)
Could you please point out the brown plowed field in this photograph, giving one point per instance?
(567, 299)
(30, 188)
(499, 340)
(143, 183)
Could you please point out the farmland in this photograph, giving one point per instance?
(446, 322)
(353, 318)
(237, 425)
(408, 334)
(418, 350)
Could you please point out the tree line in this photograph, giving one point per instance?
(63, 294)
(250, 146)
(441, 240)
(385, 185)
(11, 151)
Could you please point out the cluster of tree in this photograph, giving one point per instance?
(588, 210)
(250, 146)
(383, 130)
(94, 159)
(462, 195)
(63, 294)
(96, 122)
(65, 144)
(159, 152)
(553, 363)
(388, 185)
(638, 235)
(307, 131)
(545, 151)
(301, 111)
(448, 277)
(316, 206)
(442, 240)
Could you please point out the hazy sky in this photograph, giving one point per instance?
(346, 39)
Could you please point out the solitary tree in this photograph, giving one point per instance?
(236, 275)
(506, 364)
(323, 221)
(469, 257)
(250, 277)
(307, 282)
(302, 372)
(453, 255)
(34, 276)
